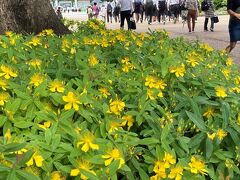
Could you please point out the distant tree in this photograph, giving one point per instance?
(29, 16)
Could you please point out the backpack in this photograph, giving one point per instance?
(109, 8)
(205, 6)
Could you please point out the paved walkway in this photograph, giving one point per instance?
(219, 39)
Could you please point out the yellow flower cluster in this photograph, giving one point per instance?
(220, 92)
(197, 166)
(87, 141)
(155, 86)
(72, 101)
(82, 165)
(92, 60)
(37, 158)
(161, 166)
(220, 134)
(178, 70)
(126, 65)
(113, 155)
(116, 106)
(7, 72)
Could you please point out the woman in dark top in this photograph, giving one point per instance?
(233, 7)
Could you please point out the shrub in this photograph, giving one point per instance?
(102, 104)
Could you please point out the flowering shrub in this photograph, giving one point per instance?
(102, 104)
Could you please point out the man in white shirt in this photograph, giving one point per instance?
(125, 12)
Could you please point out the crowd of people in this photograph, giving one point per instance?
(153, 11)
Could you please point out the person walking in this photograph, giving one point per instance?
(116, 11)
(209, 14)
(126, 7)
(161, 7)
(109, 12)
(95, 10)
(137, 9)
(149, 8)
(174, 8)
(233, 7)
(192, 7)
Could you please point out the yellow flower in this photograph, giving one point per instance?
(209, 113)
(8, 135)
(128, 120)
(12, 41)
(74, 172)
(192, 61)
(35, 41)
(160, 84)
(56, 86)
(37, 79)
(116, 106)
(104, 92)
(226, 73)
(221, 134)
(72, 101)
(160, 94)
(45, 125)
(9, 33)
(7, 72)
(229, 62)
(207, 47)
(3, 98)
(75, 42)
(197, 166)
(139, 43)
(92, 60)
(114, 126)
(220, 91)
(150, 94)
(73, 51)
(36, 63)
(3, 84)
(168, 160)
(49, 32)
(113, 155)
(176, 173)
(82, 165)
(37, 158)
(211, 136)
(150, 81)
(87, 141)
(22, 151)
(160, 171)
(179, 70)
(56, 175)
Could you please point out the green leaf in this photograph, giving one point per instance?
(3, 119)
(209, 148)
(225, 114)
(184, 143)
(48, 136)
(23, 124)
(13, 147)
(113, 167)
(148, 141)
(12, 175)
(89, 174)
(234, 135)
(26, 176)
(197, 121)
(66, 115)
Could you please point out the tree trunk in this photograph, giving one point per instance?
(29, 16)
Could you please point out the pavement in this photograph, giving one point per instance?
(218, 39)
